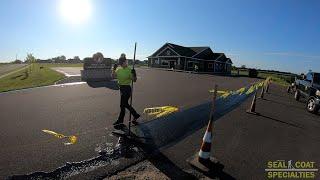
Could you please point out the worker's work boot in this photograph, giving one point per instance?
(134, 121)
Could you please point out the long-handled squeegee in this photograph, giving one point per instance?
(134, 62)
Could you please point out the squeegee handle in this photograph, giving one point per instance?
(134, 62)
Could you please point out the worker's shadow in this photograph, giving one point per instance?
(104, 84)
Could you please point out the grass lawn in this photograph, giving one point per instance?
(37, 77)
(241, 73)
(283, 80)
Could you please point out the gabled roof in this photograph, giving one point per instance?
(203, 52)
(228, 59)
(181, 50)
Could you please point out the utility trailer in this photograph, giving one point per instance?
(96, 69)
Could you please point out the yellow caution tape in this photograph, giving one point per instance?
(261, 84)
(160, 111)
(218, 92)
(251, 89)
(241, 90)
(225, 95)
(72, 139)
(60, 136)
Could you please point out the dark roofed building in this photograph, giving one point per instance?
(187, 58)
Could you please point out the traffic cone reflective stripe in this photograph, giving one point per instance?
(204, 153)
(207, 137)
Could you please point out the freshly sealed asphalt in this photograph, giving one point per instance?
(88, 112)
(244, 143)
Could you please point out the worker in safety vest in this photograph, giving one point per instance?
(125, 75)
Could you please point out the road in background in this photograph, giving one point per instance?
(7, 68)
(69, 71)
(87, 111)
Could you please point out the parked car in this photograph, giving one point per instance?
(309, 87)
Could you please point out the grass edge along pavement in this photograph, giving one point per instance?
(38, 75)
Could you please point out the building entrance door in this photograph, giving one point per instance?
(171, 64)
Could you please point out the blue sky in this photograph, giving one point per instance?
(269, 34)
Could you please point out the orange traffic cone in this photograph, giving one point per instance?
(252, 109)
(262, 93)
(204, 153)
(267, 88)
(289, 89)
(203, 160)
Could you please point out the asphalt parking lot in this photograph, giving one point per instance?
(244, 143)
(87, 111)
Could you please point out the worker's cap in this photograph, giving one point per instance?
(122, 58)
(123, 55)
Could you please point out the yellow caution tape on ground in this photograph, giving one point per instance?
(60, 136)
(225, 95)
(241, 90)
(160, 111)
(72, 139)
(218, 92)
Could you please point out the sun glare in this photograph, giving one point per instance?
(75, 11)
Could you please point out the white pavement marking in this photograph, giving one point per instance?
(68, 84)
(66, 74)
(55, 85)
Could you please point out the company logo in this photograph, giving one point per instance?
(281, 169)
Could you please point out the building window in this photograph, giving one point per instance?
(190, 64)
(164, 63)
(210, 65)
(157, 61)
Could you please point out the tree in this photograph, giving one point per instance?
(30, 60)
(243, 66)
(62, 58)
(17, 61)
(76, 58)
